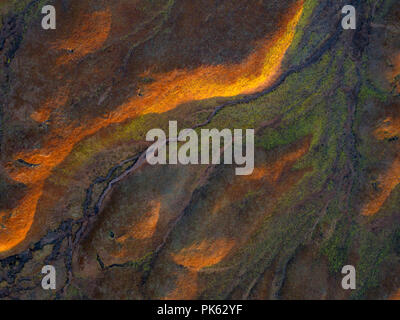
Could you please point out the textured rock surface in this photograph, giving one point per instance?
(77, 102)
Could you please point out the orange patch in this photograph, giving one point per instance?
(17, 222)
(391, 178)
(144, 229)
(273, 171)
(88, 35)
(390, 128)
(258, 173)
(205, 254)
(43, 114)
(397, 64)
(388, 181)
(265, 172)
(395, 296)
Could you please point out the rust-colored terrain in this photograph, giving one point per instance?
(76, 104)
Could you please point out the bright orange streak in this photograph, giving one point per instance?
(168, 91)
(180, 86)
